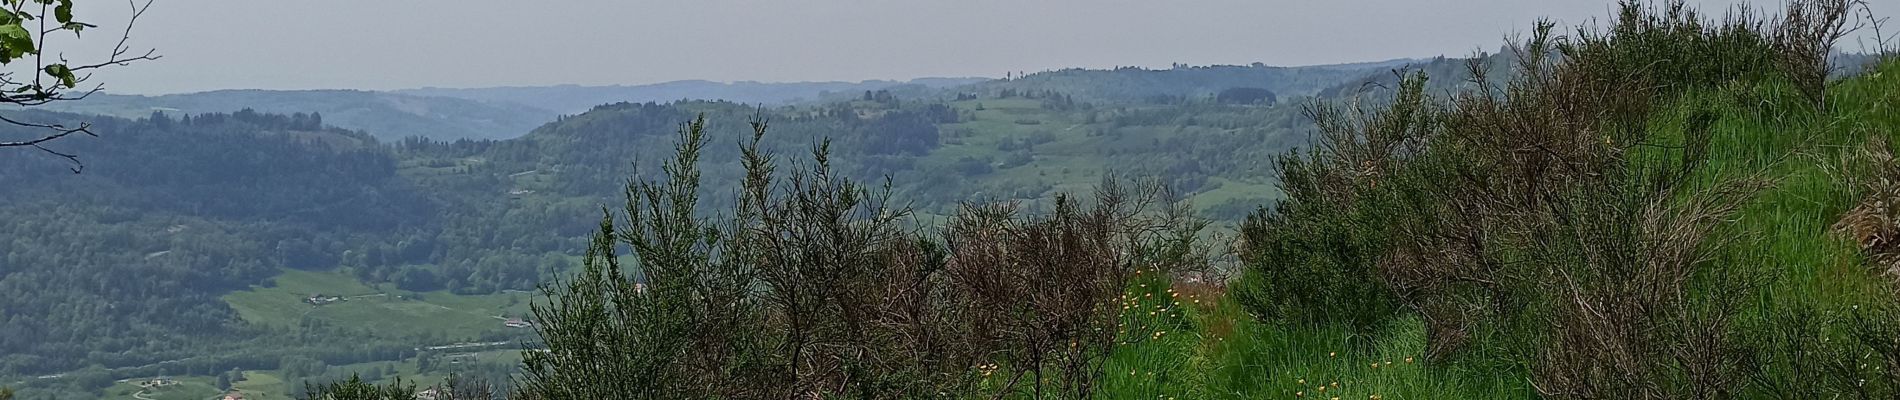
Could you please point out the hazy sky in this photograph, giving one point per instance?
(387, 44)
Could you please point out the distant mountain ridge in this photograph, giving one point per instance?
(573, 99)
(1136, 84)
(493, 113)
(386, 116)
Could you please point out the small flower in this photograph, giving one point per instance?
(1408, 360)
(1332, 354)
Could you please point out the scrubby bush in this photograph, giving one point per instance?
(1565, 217)
(815, 287)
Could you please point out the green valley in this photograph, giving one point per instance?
(1659, 204)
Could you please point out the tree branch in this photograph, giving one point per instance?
(39, 91)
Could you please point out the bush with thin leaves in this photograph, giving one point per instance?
(814, 286)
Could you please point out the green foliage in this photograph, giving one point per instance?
(1586, 220)
(1312, 260)
(25, 28)
(607, 337)
(810, 287)
(356, 389)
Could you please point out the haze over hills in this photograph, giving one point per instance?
(452, 114)
(387, 116)
(571, 99)
(507, 112)
(1131, 84)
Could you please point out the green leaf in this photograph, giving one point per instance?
(64, 11)
(15, 41)
(64, 73)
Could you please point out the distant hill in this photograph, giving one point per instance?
(386, 116)
(572, 99)
(1134, 84)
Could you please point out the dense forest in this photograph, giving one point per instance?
(1587, 214)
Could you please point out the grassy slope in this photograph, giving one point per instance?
(1224, 353)
(425, 316)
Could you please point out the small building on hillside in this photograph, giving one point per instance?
(517, 323)
(319, 299)
(158, 382)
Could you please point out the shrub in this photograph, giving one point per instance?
(1557, 219)
(812, 287)
(1313, 258)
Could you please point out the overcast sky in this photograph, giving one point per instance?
(389, 44)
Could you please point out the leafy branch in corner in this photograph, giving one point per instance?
(26, 27)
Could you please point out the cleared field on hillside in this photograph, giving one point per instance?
(384, 310)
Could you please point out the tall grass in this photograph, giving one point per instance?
(1212, 349)
(1641, 211)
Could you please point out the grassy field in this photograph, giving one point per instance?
(187, 388)
(385, 310)
(1184, 341)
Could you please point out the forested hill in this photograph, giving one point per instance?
(387, 116)
(446, 114)
(568, 99)
(124, 264)
(1134, 84)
